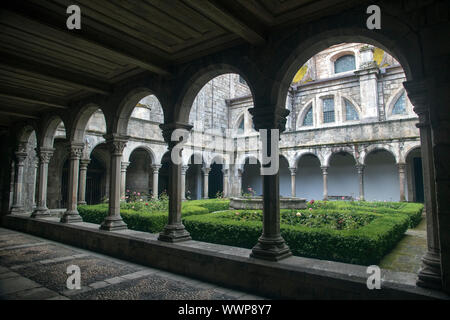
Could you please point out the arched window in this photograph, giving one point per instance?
(308, 119)
(328, 110)
(400, 105)
(350, 111)
(345, 63)
(241, 125)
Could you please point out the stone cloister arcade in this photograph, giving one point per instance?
(268, 73)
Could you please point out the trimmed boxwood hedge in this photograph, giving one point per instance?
(365, 245)
(211, 204)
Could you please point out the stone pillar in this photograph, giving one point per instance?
(401, 177)
(123, 179)
(293, 173)
(44, 155)
(430, 273)
(325, 182)
(115, 144)
(17, 206)
(71, 214)
(33, 189)
(368, 83)
(82, 183)
(183, 182)
(239, 182)
(271, 245)
(360, 168)
(225, 182)
(174, 231)
(155, 169)
(206, 182)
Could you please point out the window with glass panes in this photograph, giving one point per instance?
(400, 105)
(345, 63)
(328, 110)
(350, 111)
(308, 119)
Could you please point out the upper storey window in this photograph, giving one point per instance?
(345, 63)
(308, 119)
(328, 110)
(400, 105)
(350, 111)
(241, 125)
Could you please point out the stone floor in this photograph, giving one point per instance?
(407, 254)
(36, 268)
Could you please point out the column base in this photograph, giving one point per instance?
(81, 203)
(430, 273)
(17, 209)
(174, 233)
(40, 212)
(71, 217)
(113, 224)
(272, 249)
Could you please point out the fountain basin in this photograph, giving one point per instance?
(256, 203)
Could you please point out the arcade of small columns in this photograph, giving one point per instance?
(271, 245)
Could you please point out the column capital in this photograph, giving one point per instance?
(360, 167)
(84, 163)
(401, 166)
(269, 117)
(124, 165)
(20, 156)
(75, 150)
(116, 143)
(169, 128)
(156, 167)
(240, 172)
(324, 169)
(225, 172)
(206, 170)
(417, 92)
(293, 171)
(184, 169)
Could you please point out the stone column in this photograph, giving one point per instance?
(183, 181)
(430, 273)
(17, 206)
(360, 168)
(271, 245)
(123, 179)
(325, 182)
(82, 183)
(115, 144)
(401, 177)
(205, 182)
(174, 231)
(155, 169)
(293, 173)
(33, 189)
(225, 182)
(71, 214)
(44, 155)
(239, 182)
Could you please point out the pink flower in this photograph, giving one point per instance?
(343, 198)
(134, 192)
(128, 190)
(311, 202)
(139, 193)
(310, 209)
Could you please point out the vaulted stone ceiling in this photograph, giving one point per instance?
(44, 66)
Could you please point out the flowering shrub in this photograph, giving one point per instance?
(250, 193)
(138, 201)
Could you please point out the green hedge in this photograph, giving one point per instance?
(412, 210)
(211, 204)
(366, 245)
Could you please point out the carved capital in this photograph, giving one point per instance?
(269, 117)
(418, 95)
(324, 170)
(206, 171)
(225, 172)
(293, 171)
(169, 128)
(155, 168)
(401, 167)
(45, 154)
(124, 165)
(75, 150)
(20, 156)
(184, 169)
(360, 168)
(84, 164)
(116, 143)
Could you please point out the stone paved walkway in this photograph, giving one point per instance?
(35, 268)
(408, 253)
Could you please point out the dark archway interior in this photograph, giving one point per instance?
(215, 180)
(163, 180)
(251, 177)
(95, 181)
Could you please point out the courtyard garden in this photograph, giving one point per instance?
(356, 232)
